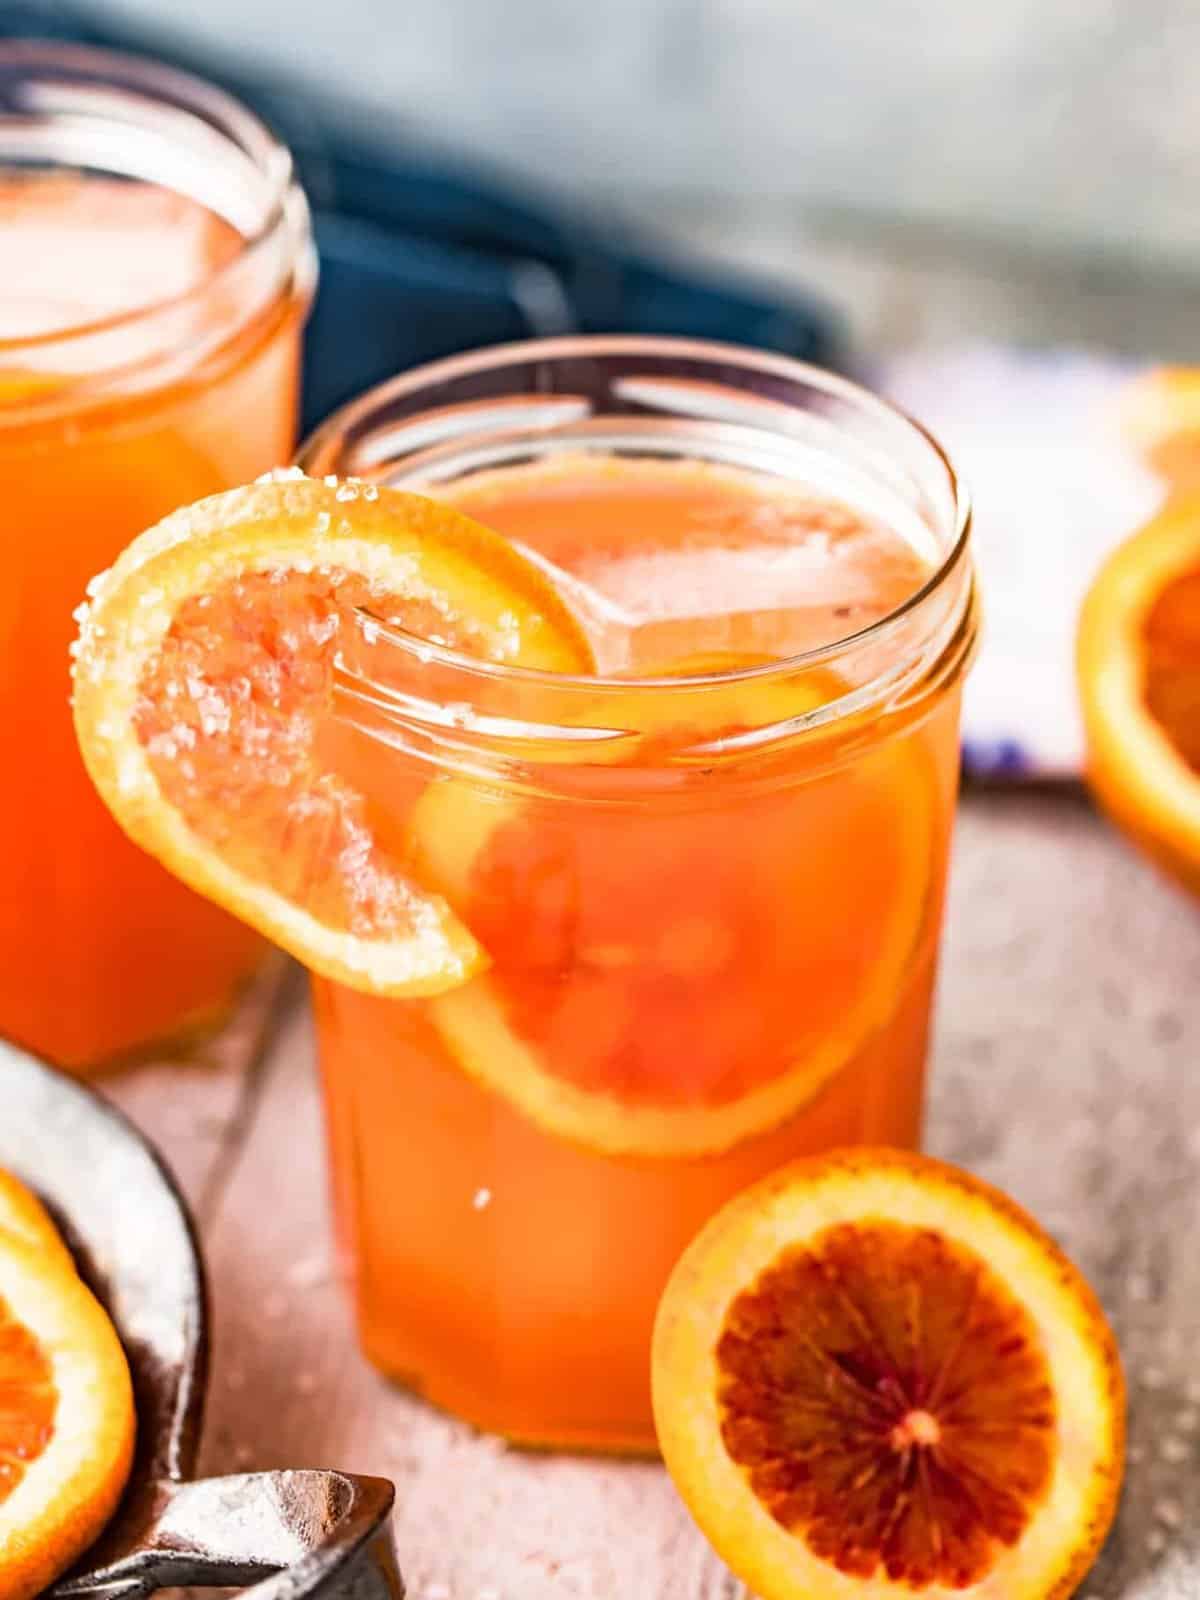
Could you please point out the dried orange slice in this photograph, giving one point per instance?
(66, 1417)
(645, 961)
(874, 1376)
(203, 673)
(1139, 682)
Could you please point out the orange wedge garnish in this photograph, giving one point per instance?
(1139, 684)
(642, 994)
(875, 1376)
(66, 1408)
(203, 677)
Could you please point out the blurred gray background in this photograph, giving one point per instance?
(1018, 168)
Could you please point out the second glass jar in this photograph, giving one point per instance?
(157, 266)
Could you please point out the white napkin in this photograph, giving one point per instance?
(1036, 436)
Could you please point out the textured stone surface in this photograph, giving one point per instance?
(1064, 1070)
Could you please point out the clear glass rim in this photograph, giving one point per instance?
(226, 114)
(315, 456)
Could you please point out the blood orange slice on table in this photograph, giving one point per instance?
(66, 1409)
(874, 1375)
(668, 981)
(204, 672)
(1138, 657)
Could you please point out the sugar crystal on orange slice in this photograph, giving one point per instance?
(875, 1376)
(204, 675)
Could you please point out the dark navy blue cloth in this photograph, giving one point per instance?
(422, 256)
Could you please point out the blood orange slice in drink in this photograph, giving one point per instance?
(203, 676)
(875, 1376)
(669, 981)
(66, 1412)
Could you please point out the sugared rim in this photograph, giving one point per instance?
(193, 95)
(344, 419)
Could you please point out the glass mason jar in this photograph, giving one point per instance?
(711, 903)
(158, 264)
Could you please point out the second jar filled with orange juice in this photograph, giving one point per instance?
(708, 880)
(155, 267)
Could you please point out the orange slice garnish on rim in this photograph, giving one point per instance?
(670, 980)
(1139, 683)
(203, 676)
(875, 1376)
(66, 1411)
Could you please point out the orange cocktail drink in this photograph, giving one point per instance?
(708, 880)
(155, 264)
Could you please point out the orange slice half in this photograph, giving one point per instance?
(876, 1376)
(1139, 682)
(670, 981)
(203, 676)
(66, 1417)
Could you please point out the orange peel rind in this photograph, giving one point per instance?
(1137, 764)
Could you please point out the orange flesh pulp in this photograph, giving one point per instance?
(686, 944)
(889, 1401)
(28, 1401)
(1172, 664)
(671, 956)
(102, 952)
(229, 715)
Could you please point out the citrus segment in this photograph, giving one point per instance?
(66, 1418)
(959, 1408)
(646, 962)
(1172, 645)
(1139, 682)
(30, 1401)
(205, 670)
(874, 1375)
